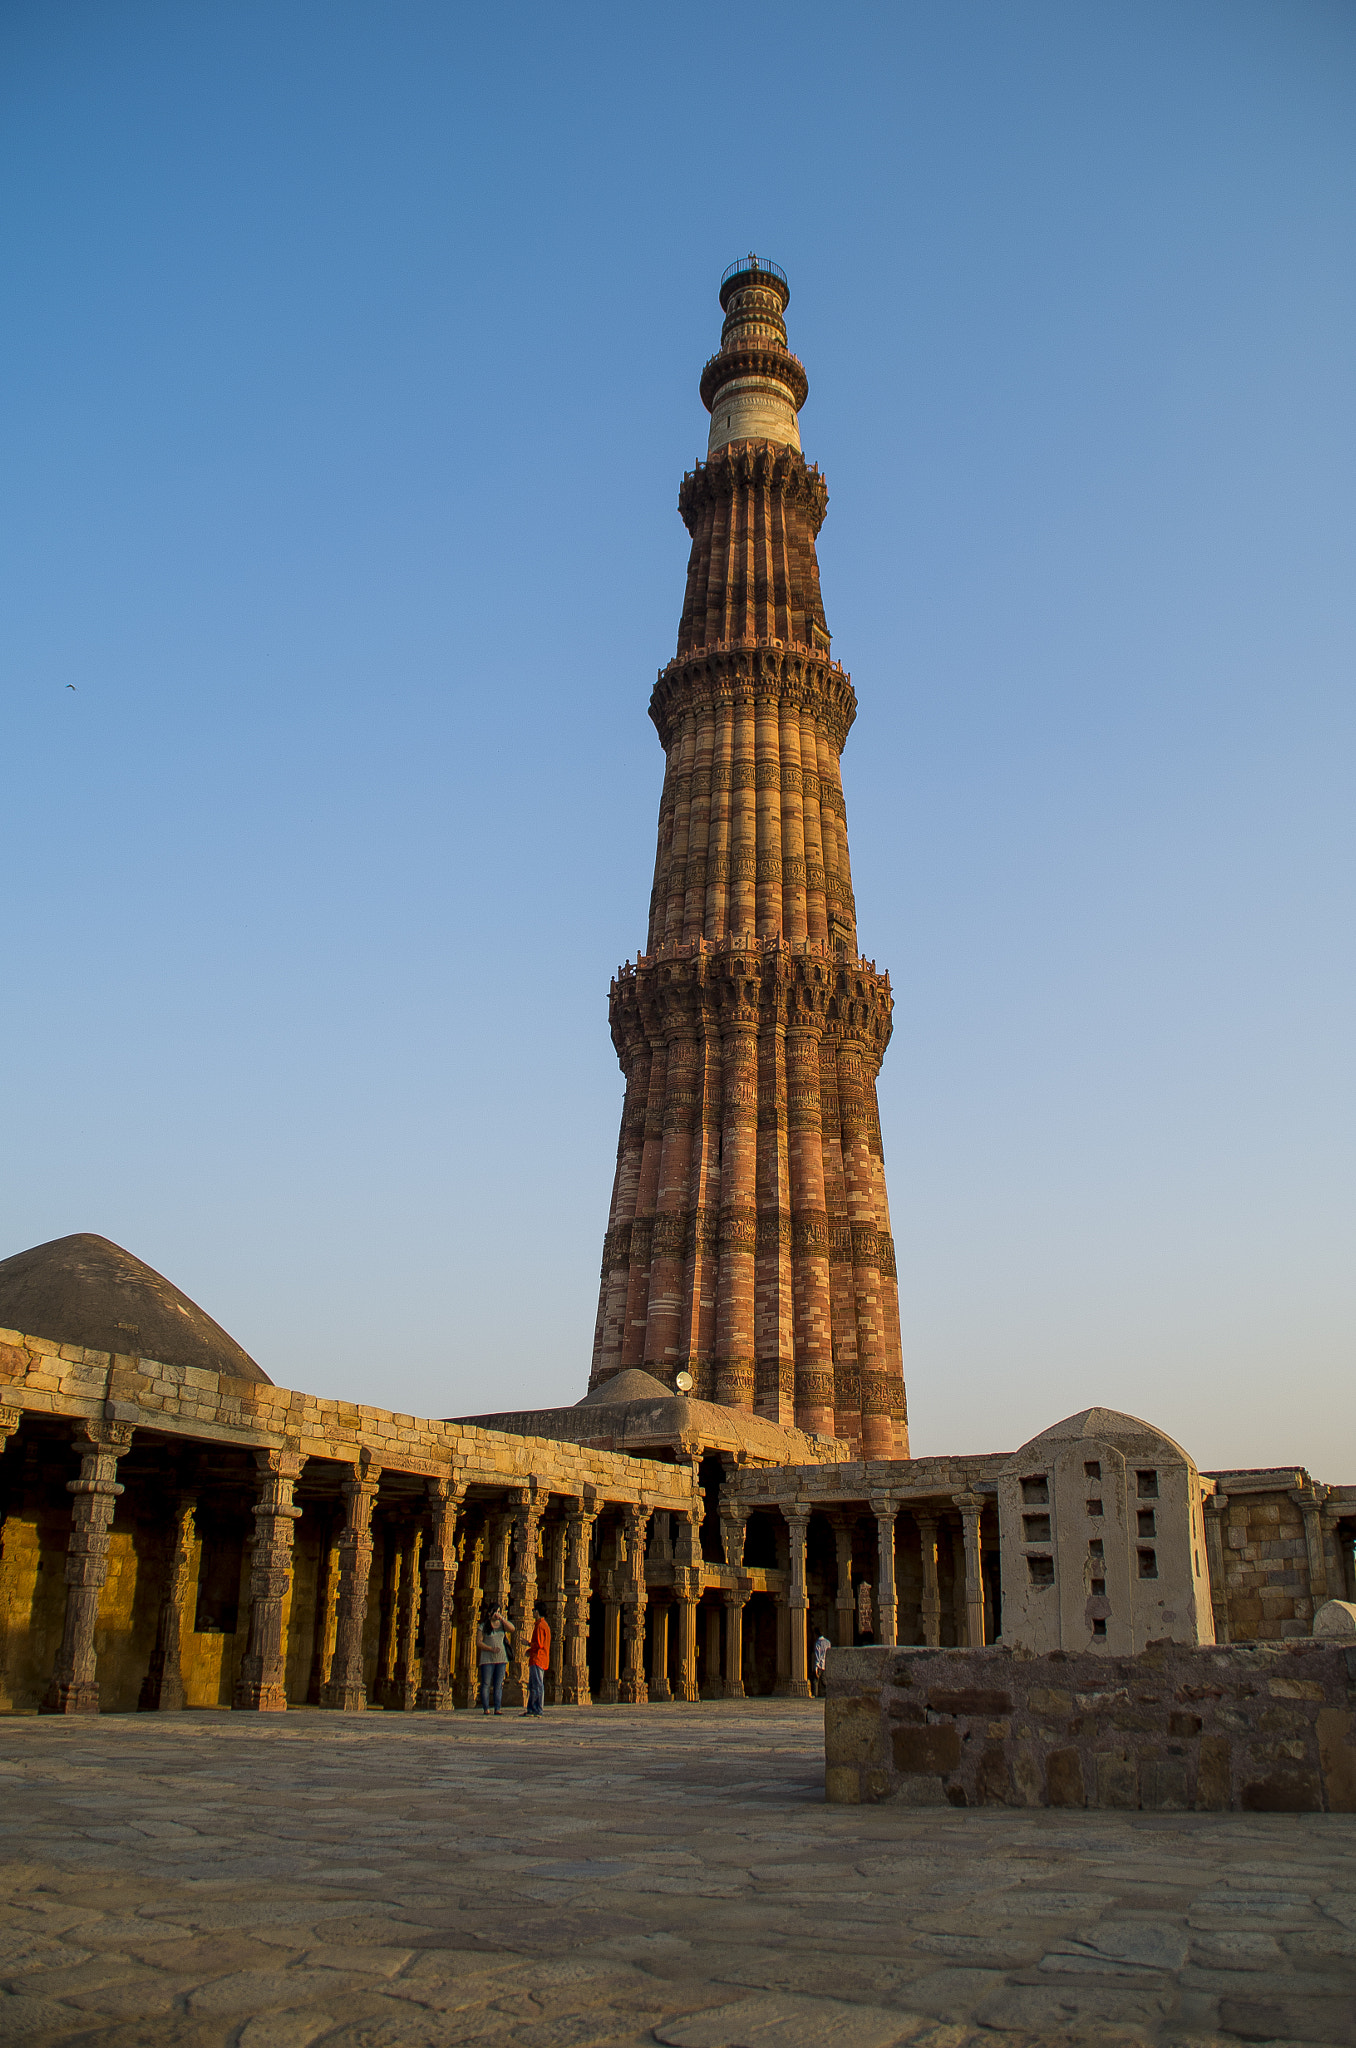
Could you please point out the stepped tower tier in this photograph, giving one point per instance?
(749, 1239)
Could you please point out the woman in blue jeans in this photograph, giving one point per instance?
(493, 1658)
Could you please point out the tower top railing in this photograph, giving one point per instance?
(751, 266)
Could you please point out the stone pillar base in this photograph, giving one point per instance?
(434, 1699)
(344, 1699)
(70, 1696)
(253, 1698)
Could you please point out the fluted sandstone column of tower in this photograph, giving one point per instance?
(749, 1240)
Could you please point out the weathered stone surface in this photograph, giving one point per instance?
(1064, 1784)
(1337, 1757)
(411, 1879)
(786, 2023)
(1311, 2017)
(852, 1731)
(1260, 1728)
(926, 1749)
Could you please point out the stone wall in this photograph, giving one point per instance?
(1283, 1546)
(41, 1378)
(1263, 1728)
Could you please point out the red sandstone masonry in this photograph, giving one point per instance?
(731, 1253)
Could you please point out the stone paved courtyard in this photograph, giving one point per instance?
(624, 1875)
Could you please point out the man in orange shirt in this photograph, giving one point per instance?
(538, 1660)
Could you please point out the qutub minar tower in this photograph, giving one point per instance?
(749, 1239)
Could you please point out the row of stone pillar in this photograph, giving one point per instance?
(437, 1587)
(928, 1520)
(443, 1585)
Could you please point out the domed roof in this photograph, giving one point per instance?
(630, 1385)
(85, 1290)
(1109, 1426)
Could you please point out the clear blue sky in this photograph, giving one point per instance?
(349, 373)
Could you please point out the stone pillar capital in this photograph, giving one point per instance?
(286, 1464)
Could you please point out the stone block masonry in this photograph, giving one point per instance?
(1262, 1729)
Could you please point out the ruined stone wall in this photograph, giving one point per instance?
(1262, 1728)
(1266, 1569)
(1284, 1545)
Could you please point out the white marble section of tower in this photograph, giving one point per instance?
(758, 403)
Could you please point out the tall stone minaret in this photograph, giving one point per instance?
(749, 1241)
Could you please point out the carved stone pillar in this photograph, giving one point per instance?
(326, 1609)
(687, 1586)
(887, 1611)
(609, 1678)
(733, 1522)
(931, 1611)
(578, 1591)
(633, 1688)
(163, 1687)
(527, 1513)
(345, 1690)
(499, 1560)
(74, 1687)
(733, 1684)
(405, 1683)
(440, 1581)
(1214, 1511)
(466, 1683)
(1310, 1505)
(971, 1506)
(383, 1684)
(660, 1611)
(713, 1686)
(845, 1600)
(797, 1684)
(261, 1687)
(688, 1596)
(557, 1548)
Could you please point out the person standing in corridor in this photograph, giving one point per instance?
(538, 1662)
(493, 1658)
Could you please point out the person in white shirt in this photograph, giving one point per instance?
(822, 1648)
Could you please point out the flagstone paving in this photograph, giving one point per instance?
(624, 1875)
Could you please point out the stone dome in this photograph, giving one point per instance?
(1109, 1426)
(86, 1290)
(629, 1385)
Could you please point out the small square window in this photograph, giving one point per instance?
(1095, 1546)
(1148, 1564)
(1099, 1631)
(1099, 1589)
(1036, 1491)
(1093, 1468)
(1035, 1528)
(1094, 1507)
(1042, 1570)
(1146, 1485)
(1145, 1519)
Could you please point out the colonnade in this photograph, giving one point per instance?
(398, 1567)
